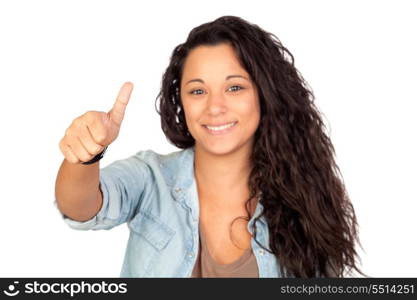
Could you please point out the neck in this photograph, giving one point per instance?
(223, 177)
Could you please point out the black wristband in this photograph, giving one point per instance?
(95, 158)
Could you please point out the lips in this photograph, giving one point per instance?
(219, 124)
(221, 128)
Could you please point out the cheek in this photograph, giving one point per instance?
(190, 112)
(251, 111)
(254, 119)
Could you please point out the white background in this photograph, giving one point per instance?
(59, 59)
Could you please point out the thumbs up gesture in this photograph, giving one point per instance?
(91, 132)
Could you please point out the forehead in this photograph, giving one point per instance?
(212, 60)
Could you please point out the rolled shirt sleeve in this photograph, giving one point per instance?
(122, 184)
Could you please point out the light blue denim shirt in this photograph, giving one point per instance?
(157, 196)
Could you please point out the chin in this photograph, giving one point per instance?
(220, 148)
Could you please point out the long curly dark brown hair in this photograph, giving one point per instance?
(312, 223)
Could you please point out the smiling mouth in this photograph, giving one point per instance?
(220, 128)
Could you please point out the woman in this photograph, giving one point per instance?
(255, 192)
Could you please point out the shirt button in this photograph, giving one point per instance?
(178, 190)
(190, 255)
(261, 251)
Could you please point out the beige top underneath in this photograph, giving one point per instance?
(205, 266)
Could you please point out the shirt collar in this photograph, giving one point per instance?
(184, 178)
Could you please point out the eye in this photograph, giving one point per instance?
(236, 88)
(197, 92)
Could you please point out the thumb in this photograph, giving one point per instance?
(117, 113)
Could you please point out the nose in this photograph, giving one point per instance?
(216, 104)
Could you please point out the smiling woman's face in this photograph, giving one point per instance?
(220, 101)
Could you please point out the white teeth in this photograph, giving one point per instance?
(217, 128)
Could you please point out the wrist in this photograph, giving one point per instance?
(95, 158)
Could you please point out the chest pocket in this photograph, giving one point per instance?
(152, 229)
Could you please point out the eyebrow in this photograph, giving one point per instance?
(227, 78)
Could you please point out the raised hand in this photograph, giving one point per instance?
(91, 132)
